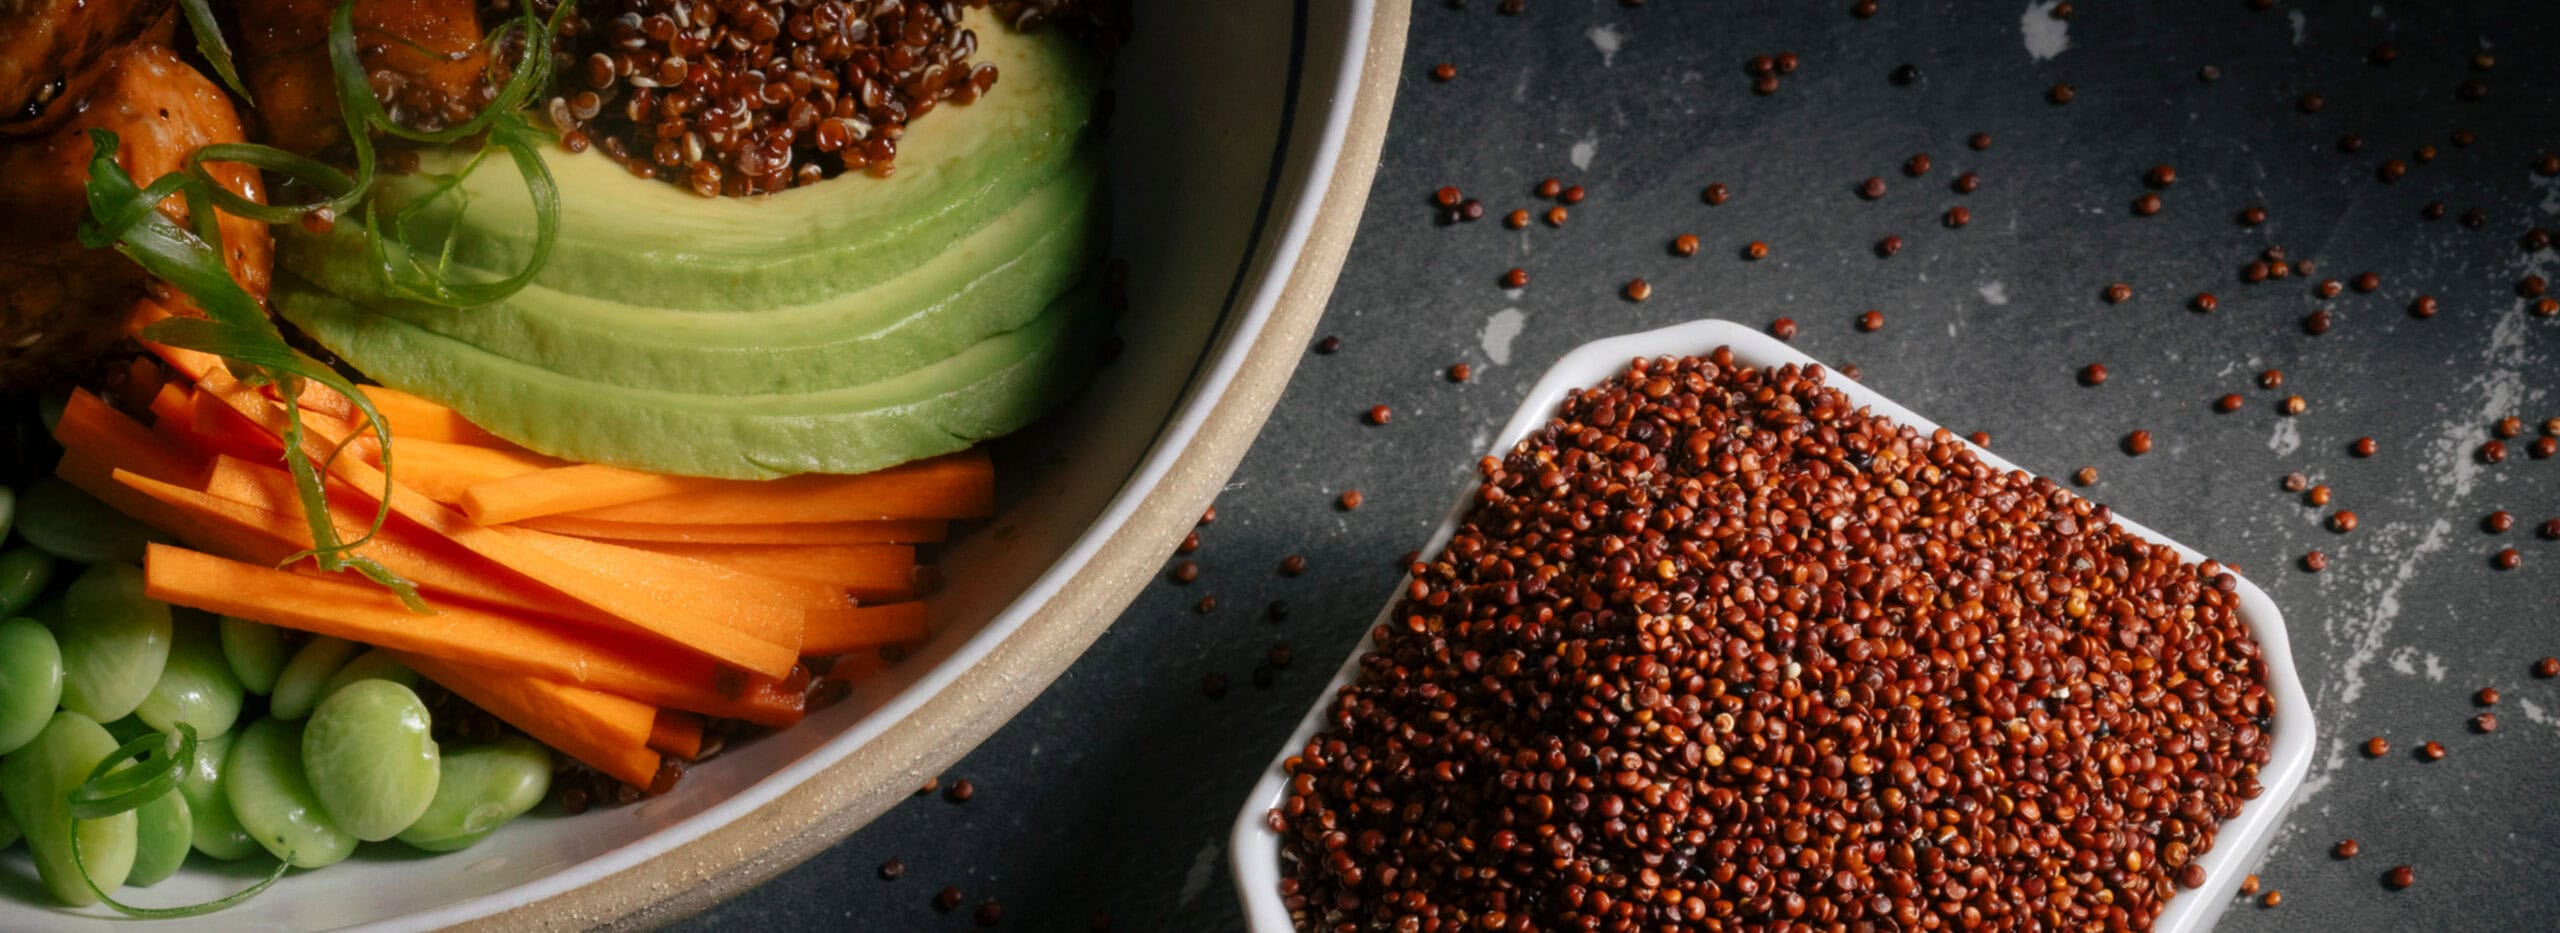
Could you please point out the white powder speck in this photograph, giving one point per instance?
(2046, 36)
(1499, 330)
(1195, 882)
(1583, 150)
(1520, 88)
(2405, 661)
(2286, 439)
(2435, 668)
(2362, 630)
(2301, 26)
(2534, 713)
(1995, 293)
(1608, 40)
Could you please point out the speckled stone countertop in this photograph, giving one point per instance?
(1115, 790)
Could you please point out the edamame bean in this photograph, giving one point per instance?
(196, 687)
(298, 687)
(374, 664)
(163, 834)
(24, 571)
(115, 641)
(370, 758)
(217, 832)
(8, 509)
(67, 523)
(272, 798)
(483, 787)
(9, 834)
(30, 681)
(36, 785)
(255, 650)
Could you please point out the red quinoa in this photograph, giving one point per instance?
(1715, 647)
(741, 97)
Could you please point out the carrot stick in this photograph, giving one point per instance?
(769, 619)
(718, 612)
(896, 531)
(608, 733)
(359, 611)
(443, 470)
(871, 572)
(572, 489)
(412, 418)
(262, 536)
(960, 485)
(836, 631)
(677, 733)
(107, 438)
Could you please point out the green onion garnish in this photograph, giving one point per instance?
(159, 763)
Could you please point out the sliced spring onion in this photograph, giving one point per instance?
(160, 762)
(236, 328)
(209, 43)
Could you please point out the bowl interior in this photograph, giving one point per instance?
(1207, 173)
(1255, 849)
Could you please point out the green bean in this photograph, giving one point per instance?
(483, 787)
(163, 834)
(371, 759)
(36, 786)
(374, 664)
(196, 687)
(71, 525)
(115, 641)
(24, 571)
(30, 681)
(271, 796)
(217, 832)
(256, 652)
(298, 687)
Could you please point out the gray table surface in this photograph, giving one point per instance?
(1115, 789)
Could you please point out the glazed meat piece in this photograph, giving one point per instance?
(48, 48)
(424, 55)
(63, 303)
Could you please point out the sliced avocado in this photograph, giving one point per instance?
(654, 244)
(992, 387)
(995, 280)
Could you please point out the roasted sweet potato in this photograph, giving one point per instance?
(64, 302)
(424, 55)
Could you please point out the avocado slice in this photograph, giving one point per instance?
(656, 245)
(994, 280)
(992, 387)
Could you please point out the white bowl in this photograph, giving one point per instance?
(1242, 146)
(1255, 849)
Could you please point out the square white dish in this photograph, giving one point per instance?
(1254, 850)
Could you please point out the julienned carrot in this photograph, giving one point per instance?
(98, 480)
(357, 610)
(896, 531)
(871, 572)
(746, 624)
(960, 485)
(574, 488)
(262, 536)
(836, 631)
(443, 470)
(608, 733)
(677, 733)
(412, 418)
(108, 438)
(712, 610)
